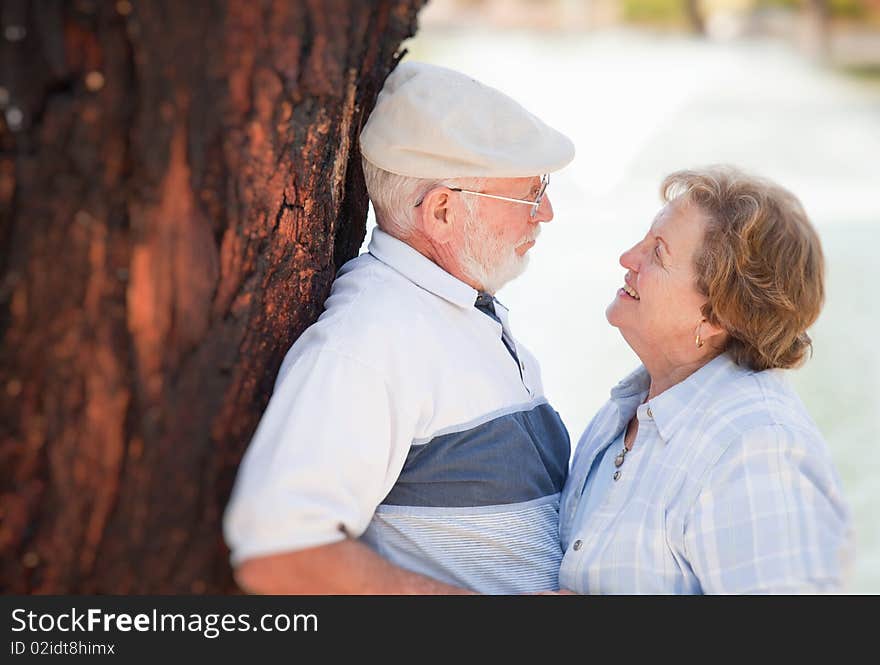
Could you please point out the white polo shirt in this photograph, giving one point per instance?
(401, 418)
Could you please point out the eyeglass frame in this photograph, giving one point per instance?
(545, 181)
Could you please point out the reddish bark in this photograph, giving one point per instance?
(178, 183)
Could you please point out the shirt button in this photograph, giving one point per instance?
(577, 545)
(616, 475)
(650, 413)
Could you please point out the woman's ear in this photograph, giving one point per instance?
(708, 332)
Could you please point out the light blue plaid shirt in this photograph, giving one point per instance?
(728, 488)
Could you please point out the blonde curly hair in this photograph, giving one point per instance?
(761, 265)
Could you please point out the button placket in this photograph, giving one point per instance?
(507, 335)
(523, 376)
(622, 456)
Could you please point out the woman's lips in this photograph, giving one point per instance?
(630, 291)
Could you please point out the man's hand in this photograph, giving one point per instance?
(347, 567)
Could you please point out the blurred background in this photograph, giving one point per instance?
(786, 89)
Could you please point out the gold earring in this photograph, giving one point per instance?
(699, 340)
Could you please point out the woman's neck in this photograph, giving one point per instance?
(664, 375)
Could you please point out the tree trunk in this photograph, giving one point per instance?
(179, 182)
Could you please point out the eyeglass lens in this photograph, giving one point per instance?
(545, 180)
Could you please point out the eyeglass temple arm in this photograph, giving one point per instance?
(545, 180)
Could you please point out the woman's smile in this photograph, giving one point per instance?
(629, 292)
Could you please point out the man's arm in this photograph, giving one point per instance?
(346, 567)
(324, 455)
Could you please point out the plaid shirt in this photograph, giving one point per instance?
(728, 488)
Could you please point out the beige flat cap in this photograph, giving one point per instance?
(433, 122)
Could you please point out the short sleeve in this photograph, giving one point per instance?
(770, 518)
(321, 460)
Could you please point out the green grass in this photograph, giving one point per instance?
(869, 73)
(653, 11)
(673, 11)
(848, 9)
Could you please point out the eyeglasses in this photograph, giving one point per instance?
(536, 203)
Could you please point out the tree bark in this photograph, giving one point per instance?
(179, 182)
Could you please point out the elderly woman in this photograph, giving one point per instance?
(704, 473)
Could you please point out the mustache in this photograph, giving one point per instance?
(531, 237)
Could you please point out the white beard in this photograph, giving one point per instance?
(490, 261)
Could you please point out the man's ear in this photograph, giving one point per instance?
(437, 217)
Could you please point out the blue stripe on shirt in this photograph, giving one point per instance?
(511, 458)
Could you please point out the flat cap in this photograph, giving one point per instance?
(433, 122)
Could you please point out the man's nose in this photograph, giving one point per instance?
(545, 211)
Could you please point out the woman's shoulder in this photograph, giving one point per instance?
(732, 416)
(764, 399)
(759, 416)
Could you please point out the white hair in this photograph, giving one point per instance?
(490, 260)
(395, 196)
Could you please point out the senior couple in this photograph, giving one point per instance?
(408, 446)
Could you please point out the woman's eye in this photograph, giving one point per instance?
(657, 251)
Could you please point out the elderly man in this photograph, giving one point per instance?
(408, 446)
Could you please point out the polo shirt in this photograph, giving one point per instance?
(401, 418)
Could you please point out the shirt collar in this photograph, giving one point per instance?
(672, 409)
(629, 394)
(419, 269)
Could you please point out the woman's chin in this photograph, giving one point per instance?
(612, 315)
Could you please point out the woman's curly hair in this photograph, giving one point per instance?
(761, 265)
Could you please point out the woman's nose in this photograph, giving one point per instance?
(628, 259)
